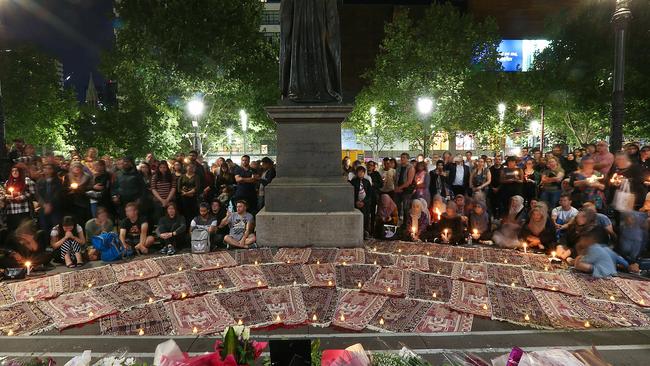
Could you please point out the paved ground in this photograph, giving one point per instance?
(488, 339)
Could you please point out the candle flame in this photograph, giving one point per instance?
(381, 321)
(183, 295)
(359, 285)
(259, 282)
(91, 314)
(587, 324)
(375, 263)
(512, 284)
(314, 318)
(180, 268)
(255, 262)
(240, 322)
(546, 268)
(435, 295)
(150, 300)
(388, 289)
(141, 332)
(10, 332)
(195, 330)
(526, 318)
(317, 262)
(278, 319)
(28, 264)
(342, 318)
(611, 297)
(329, 283)
(485, 307)
(220, 286)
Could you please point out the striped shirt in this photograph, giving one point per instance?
(163, 188)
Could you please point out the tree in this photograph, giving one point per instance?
(445, 55)
(35, 107)
(169, 52)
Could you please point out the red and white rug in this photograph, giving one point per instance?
(77, 281)
(466, 255)
(441, 319)
(469, 297)
(388, 282)
(254, 256)
(322, 255)
(637, 291)
(23, 319)
(380, 259)
(354, 276)
(136, 270)
(417, 262)
(505, 275)
(320, 275)
(76, 309)
(562, 310)
(246, 308)
(175, 263)
(356, 309)
(320, 303)
(37, 289)
(178, 285)
(279, 274)
(198, 316)
(399, 315)
(293, 255)
(214, 260)
(247, 277)
(6, 296)
(517, 305)
(215, 280)
(350, 256)
(474, 272)
(150, 320)
(552, 281)
(604, 289)
(431, 287)
(125, 296)
(286, 305)
(440, 267)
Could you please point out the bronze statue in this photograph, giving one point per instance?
(310, 51)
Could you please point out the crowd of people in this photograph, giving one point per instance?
(52, 206)
(588, 206)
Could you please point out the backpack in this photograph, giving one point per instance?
(110, 247)
(200, 240)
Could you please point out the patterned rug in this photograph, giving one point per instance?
(356, 309)
(350, 256)
(38, 289)
(418, 262)
(247, 308)
(6, 296)
(75, 309)
(136, 270)
(286, 305)
(247, 277)
(214, 280)
(279, 274)
(474, 272)
(601, 289)
(388, 282)
(518, 306)
(504, 256)
(254, 256)
(175, 263)
(354, 276)
(441, 319)
(399, 315)
(200, 315)
(442, 252)
(320, 275)
(214, 260)
(427, 286)
(469, 297)
(562, 310)
(440, 267)
(293, 255)
(125, 296)
(468, 255)
(505, 275)
(322, 255)
(151, 320)
(612, 315)
(380, 259)
(76, 281)
(178, 285)
(552, 281)
(320, 304)
(539, 262)
(23, 319)
(637, 291)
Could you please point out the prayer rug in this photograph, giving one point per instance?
(504, 256)
(23, 319)
(505, 275)
(354, 276)
(351, 256)
(254, 256)
(38, 289)
(286, 305)
(356, 309)
(175, 286)
(380, 259)
(322, 255)
(470, 297)
(214, 280)
(440, 267)
(601, 289)
(75, 309)
(399, 315)
(246, 308)
(427, 286)
(518, 306)
(293, 255)
(279, 274)
(637, 291)
(320, 275)
(418, 262)
(320, 304)
(440, 251)
(562, 310)
(214, 260)
(136, 270)
(388, 282)
(247, 277)
(378, 246)
(467, 255)
(175, 263)
(125, 296)
(474, 272)
(151, 320)
(424, 248)
(613, 315)
(552, 281)
(401, 247)
(441, 319)
(540, 262)
(6, 296)
(200, 315)
(76, 281)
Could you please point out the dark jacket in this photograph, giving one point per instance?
(433, 184)
(129, 185)
(356, 183)
(269, 175)
(452, 176)
(55, 194)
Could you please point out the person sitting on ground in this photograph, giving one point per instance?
(438, 207)
(633, 235)
(479, 222)
(171, 229)
(242, 227)
(26, 244)
(204, 220)
(596, 258)
(583, 224)
(386, 215)
(134, 230)
(563, 214)
(539, 231)
(418, 220)
(218, 212)
(602, 221)
(101, 223)
(452, 227)
(68, 238)
(507, 236)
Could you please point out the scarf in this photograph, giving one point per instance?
(480, 222)
(536, 227)
(387, 208)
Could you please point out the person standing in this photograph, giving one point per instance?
(75, 184)
(362, 196)
(388, 178)
(480, 177)
(128, 186)
(49, 194)
(551, 182)
(246, 179)
(268, 174)
(404, 185)
(18, 193)
(459, 177)
(493, 194)
(438, 181)
(510, 182)
(188, 186)
(377, 184)
(163, 189)
(603, 159)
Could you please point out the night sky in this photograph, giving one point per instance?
(73, 31)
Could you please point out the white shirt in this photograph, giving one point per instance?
(563, 216)
(460, 173)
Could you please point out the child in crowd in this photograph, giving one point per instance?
(68, 237)
(597, 259)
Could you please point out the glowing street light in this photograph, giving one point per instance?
(502, 111)
(195, 108)
(243, 118)
(425, 106)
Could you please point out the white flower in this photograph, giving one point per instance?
(246, 333)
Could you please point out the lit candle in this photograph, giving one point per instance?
(359, 285)
(399, 250)
(255, 262)
(611, 297)
(587, 324)
(288, 261)
(438, 213)
(31, 299)
(642, 302)
(505, 261)
(381, 321)
(345, 263)
(485, 307)
(11, 191)
(141, 274)
(28, 265)
(183, 295)
(74, 186)
(259, 282)
(220, 286)
(374, 249)
(525, 248)
(314, 318)
(435, 295)
(546, 268)
(554, 288)
(342, 317)
(317, 262)
(512, 284)
(278, 319)
(375, 263)
(180, 268)
(195, 330)
(151, 300)
(90, 285)
(475, 234)
(295, 282)
(240, 322)
(91, 314)
(141, 332)
(414, 230)
(462, 259)
(428, 253)
(526, 318)
(10, 332)
(388, 289)
(614, 178)
(329, 283)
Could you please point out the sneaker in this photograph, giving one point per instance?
(171, 250)
(164, 250)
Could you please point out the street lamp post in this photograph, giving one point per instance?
(243, 117)
(425, 107)
(621, 21)
(195, 108)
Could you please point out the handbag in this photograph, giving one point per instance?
(110, 247)
(623, 198)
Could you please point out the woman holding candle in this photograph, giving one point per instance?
(77, 183)
(539, 231)
(480, 177)
(67, 238)
(451, 229)
(531, 181)
(438, 207)
(18, 193)
(551, 182)
(421, 182)
(588, 185)
(511, 180)
(418, 220)
(479, 222)
(583, 224)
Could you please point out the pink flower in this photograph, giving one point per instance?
(259, 347)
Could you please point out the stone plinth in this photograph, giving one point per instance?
(310, 202)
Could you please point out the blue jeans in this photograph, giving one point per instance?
(551, 198)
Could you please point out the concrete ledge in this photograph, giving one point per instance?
(309, 197)
(300, 229)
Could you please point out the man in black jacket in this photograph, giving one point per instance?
(458, 178)
(377, 184)
(266, 178)
(362, 196)
(49, 193)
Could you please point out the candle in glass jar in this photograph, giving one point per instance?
(11, 191)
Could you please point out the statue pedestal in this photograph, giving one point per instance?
(310, 203)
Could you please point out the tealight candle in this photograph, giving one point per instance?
(278, 319)
(180, 268)
(374, 249)
(151, 300)
(553, 254)
(611, 297)
(288, 261)
(485, 307)
(195, 330)
(642, 302)
(388, 289)
(10, 332)
(91, 314)
(255, 262)
(314, 318)
(28, 266)
(317, 262)
(90, 285)
(554, 288)
(342, 317)
(512, 284)
(141, 332)
(345, 263)
(141, 274)
(329, 283)
(183, 295)
(374, 262)
(428, 253)
(399, 250)
(31, 299)
(295, 282)
(462, 259)
(220, 286)
(505, 261)
(259, 282)
(587, 324)
(359, 285)
(526, 318)
(381, 321)
(546, 268)
(435, 295)
(240, 322)
(11, 190)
